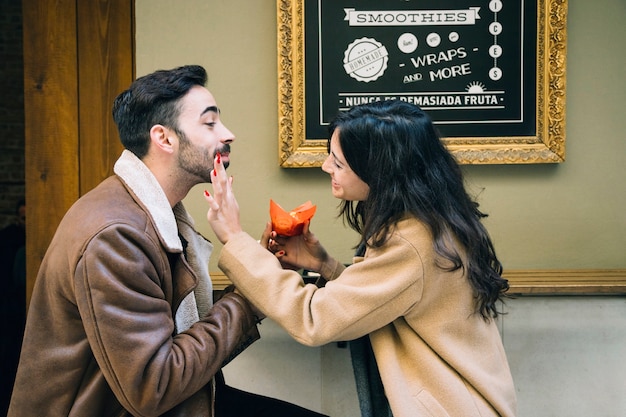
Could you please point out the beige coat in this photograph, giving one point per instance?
(435, 356)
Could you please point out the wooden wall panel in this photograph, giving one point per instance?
(78, 55)
(105, 44)
(51, 122)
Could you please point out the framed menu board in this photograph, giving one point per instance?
(490, 73)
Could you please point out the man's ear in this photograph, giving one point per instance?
(163, 138)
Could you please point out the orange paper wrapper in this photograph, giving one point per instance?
(292, 223)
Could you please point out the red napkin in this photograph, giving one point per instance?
(292, 223)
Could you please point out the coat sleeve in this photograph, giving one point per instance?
(129, 324)
(364, 297)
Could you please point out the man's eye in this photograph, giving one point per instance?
(211, 124)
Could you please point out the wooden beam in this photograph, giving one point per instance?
(540, 281)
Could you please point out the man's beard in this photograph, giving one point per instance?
(196, 161)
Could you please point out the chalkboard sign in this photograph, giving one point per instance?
(477, 67)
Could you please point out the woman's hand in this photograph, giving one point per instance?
(223, 214)
(295, 252)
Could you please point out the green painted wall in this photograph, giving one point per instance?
(570, 215)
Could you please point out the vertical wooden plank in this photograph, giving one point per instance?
(78, 55)
(51, 122)
(105, 68)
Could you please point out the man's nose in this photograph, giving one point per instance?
(226, 135)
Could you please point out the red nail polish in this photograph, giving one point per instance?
(206, 193)
(219, 157)
(214, 173)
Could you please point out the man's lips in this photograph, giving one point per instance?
(225, 157)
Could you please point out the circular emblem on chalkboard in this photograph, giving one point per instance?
(365, 59)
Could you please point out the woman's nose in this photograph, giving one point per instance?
(325, 165)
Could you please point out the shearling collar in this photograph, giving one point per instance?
(142, 182)
(169, 223)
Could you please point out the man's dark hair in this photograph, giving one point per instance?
(150, 100)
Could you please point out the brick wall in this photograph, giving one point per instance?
(12, 179)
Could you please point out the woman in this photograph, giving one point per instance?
(426, 289)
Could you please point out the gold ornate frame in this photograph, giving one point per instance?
(547, 146)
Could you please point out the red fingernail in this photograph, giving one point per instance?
(219, 157)
(215, 173)
(280, 253)
(206, 193)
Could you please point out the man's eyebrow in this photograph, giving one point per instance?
(214, 109)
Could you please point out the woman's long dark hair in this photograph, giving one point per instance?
(394, 148)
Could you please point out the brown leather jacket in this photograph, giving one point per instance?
(101, 336)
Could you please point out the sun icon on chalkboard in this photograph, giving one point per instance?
(475, 87)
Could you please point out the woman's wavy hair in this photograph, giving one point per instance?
(394, 148)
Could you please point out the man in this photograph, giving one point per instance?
(121, 320)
